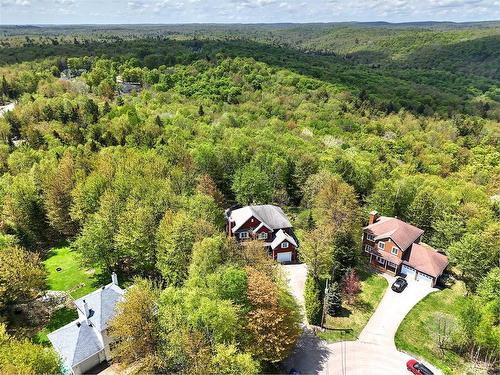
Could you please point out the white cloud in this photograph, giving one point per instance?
(23, 3)
(179, 11)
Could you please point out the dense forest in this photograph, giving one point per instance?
(327, 121)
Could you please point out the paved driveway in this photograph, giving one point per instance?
(382, 326)
(373, 353)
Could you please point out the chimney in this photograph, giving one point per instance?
(86, 311)
(114, 278)
(373, 217)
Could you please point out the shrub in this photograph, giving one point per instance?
(313, 301)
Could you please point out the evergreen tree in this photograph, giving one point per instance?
(313, 300)
(333, 299)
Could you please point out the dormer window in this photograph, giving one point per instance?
(284, 245)
(381, 245)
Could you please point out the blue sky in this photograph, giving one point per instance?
(243, 11)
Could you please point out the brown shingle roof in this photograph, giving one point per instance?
(387, 256)
(425, 259)
(403, 234)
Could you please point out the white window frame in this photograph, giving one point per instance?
(370, 237)
(262, 236)
(381, 260)
(284, 245)
(394, 251)
(368, 248)
(381, 245)
(243, 235)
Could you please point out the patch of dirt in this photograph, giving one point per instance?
(28, 318)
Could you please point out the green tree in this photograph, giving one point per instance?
(227, 360)
(313, 300)
(317, 252)
(474, 255)
(333, 299)
(134, 240)
(175, 238)
(135, 326)
(22, 275)
(335, 207)
(23, 210)
(58, 185)
(206, 258)
(24, 357)
(252, 185)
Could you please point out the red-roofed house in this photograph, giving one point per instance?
(394, 247)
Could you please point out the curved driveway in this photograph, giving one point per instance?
(374, 352)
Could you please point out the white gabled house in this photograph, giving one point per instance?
(84, 343)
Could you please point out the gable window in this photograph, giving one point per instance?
(262, 236)
(284, 245)
(394, 251)
(369, 237)
(381, 245)
(368, 248)
(243, 235)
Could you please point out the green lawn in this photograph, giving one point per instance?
(354, 317)
(60, 318)
(72, 277)
(415, 335)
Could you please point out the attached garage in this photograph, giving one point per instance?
(423, 278)
(408, 271)
(88, 363)
(284, 257)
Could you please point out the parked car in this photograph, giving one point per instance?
(399, 285)
(418, 368)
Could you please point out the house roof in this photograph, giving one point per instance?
(101, 304)
(403, 234)
(427, 260)
(271, 215)
(75, 342)
(280, 237)
(387, 256)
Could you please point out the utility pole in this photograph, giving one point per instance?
(324, 303)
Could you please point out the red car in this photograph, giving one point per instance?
(418, 368)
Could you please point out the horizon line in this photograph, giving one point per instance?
(242, 23)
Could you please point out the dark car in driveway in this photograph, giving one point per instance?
(399, 285)
(418, 368)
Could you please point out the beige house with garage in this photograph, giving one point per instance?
(395, 247)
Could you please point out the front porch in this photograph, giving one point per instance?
(383, 265)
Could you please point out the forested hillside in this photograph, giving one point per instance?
(138, 183)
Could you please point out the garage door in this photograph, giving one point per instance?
(405, 270)
(89, 363)
(284, 257)
(422, 277)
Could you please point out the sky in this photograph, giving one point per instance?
(242, 11)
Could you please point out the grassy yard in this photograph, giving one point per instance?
(71, 277)
(354, 317)
(60, 318)
(415, 335)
